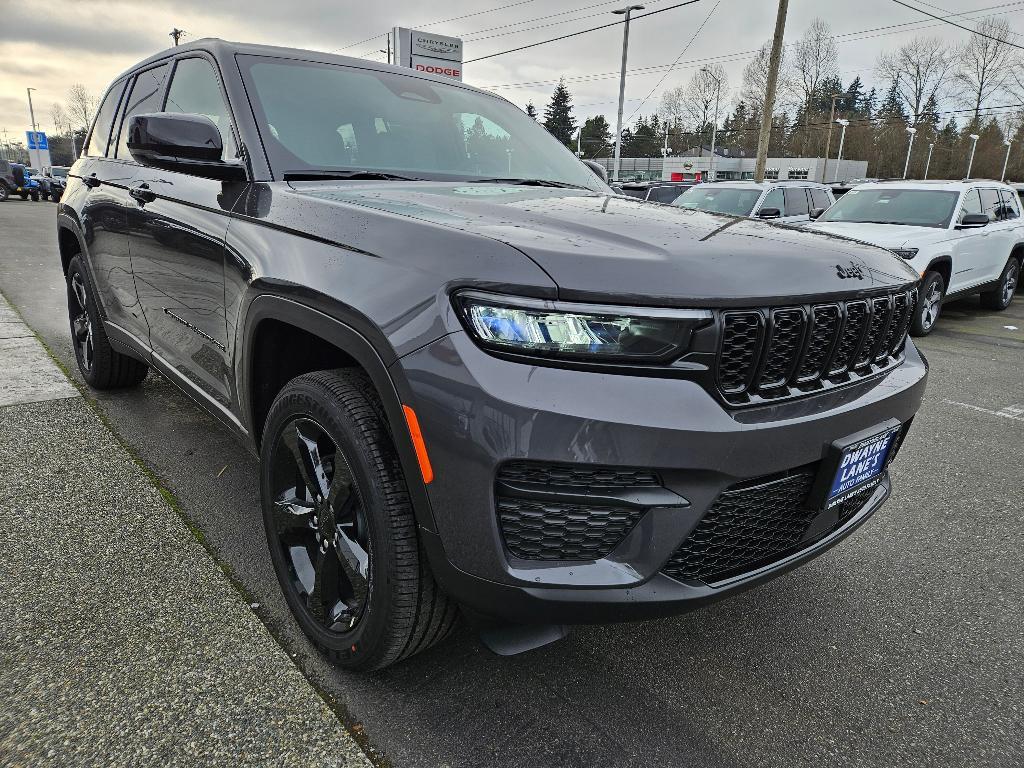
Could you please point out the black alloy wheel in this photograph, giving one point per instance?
(320, 525)
(340, 526)
(81, 322)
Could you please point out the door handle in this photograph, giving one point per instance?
(142, 193)
(91, 181)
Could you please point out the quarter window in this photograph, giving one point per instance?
(194, 90)
(146, 93)
(100, 136)
(796, 201)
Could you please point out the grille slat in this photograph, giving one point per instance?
(768, 354)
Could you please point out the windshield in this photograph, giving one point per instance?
(731, 200)
(324, 117)
(914, 207)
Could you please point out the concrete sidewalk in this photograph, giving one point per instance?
(121, 641)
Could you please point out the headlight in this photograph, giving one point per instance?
(578, 331)
(905, 253)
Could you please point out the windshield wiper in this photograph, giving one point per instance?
(529, 183)
(346, 176)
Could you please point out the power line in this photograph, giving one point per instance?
(961, 26)
(581, 32)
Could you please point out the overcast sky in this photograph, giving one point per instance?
(91, 41)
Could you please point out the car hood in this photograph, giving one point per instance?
(885, 235)
(600, 246)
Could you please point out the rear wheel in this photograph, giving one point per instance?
(35, 197)
(23, 195)
(101, 365)
(4, 193)
(1000, 298)
(929, 304)
(340, 526)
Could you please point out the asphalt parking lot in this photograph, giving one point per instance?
(902, 646)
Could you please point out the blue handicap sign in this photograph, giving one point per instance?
(37, 140)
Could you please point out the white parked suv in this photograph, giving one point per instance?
(786, 202)
(963, 237)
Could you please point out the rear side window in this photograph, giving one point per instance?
(194, 90)
(796, 201)
(819, 198)
(990, 204)
(97, 144)
(664, 194)
(146, 93)
(1011, 210)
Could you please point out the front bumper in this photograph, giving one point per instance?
(478, 412)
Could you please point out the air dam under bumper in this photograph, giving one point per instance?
(479, 412)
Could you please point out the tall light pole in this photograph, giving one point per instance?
(910, 146)
(772, 80)
(828, 141)
(1006, 160)
(35, 138)
(928, 163)
(842, 139)
(974, 143)
(714, 124)
(627, 11)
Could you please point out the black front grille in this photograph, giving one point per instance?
(543, 530)
(773, 353)
(744, 527)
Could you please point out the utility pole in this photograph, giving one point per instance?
(35, 136)
(828, 141)
(714, 125)
(388, 50)
(627, 11)
(176, 34)
(769, 97)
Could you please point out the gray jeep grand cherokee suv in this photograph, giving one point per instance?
(474, 377)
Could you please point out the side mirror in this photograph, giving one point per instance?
(816, 212)
(973, 221)
(599, 170)
(184, 143)
(769, 213)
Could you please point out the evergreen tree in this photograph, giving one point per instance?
(558, 117)
(930, 115)
(531, 110)
(869, 106)
(597, 137)
(853, 99)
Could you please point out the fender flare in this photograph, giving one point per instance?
(390, 387)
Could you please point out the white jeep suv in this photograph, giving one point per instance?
(963, 237)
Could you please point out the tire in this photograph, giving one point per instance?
(101, 365)
(35, 197)
(23, 195)
(1000, 298)
(929, 304)
(4, 193)
(349, 561)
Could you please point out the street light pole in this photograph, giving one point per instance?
(974, 143)
(35, 137)
(828, 141)
(1006, 160)
(928, 163)
(627, 11)
(842, 140)
(906, 165)
(714, 124)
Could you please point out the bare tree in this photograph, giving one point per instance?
(81, 106)
(814, 59)
(755, 83)
(694, 104)
(984, 66)
(59, 118)
(920, 69)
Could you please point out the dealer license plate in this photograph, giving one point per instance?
(860, 466)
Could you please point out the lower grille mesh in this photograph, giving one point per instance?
(550, 531)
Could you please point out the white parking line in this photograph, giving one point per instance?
(1013, 412)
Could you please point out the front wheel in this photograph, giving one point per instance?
(929, 305)
(340, 526)
(1000, 298)
(35, 197)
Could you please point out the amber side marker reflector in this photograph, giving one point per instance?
(417, 442)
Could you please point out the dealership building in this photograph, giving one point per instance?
(696, 163)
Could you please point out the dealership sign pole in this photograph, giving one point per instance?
(427, 52)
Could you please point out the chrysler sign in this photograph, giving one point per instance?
(427, 52)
